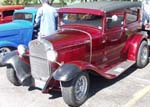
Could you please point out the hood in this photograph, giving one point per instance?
(68, 38)
(15, 33)
(14, 28)
(15, 25)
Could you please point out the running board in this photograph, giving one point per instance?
(117, 70)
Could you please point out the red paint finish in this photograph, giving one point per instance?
(6, 12)
(81, 10)
(134, 46)
(97, 48)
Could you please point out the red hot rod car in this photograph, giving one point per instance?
(93, 37)
(6, 12)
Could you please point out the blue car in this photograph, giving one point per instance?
(19, 31)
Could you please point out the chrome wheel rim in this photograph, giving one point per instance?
(81, 87)
(144, 55)
(3, 51)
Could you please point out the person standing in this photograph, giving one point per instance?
(145, 12)
(46, 18)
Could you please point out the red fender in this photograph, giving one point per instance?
(83, 66)
(134, 45)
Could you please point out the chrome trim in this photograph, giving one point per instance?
(120, 68)
(46, 43)
(144, 55)
(81, 87)
(74, 45)
(38, 59)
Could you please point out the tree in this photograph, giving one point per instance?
(63, 2)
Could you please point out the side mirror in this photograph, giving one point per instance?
(114, 18)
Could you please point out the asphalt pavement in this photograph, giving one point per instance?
(131, 89)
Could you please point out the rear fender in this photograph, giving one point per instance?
(134, 45)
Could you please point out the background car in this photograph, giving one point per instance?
(19, 31)
(6, 12)
(99, 38)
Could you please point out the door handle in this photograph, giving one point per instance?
(126, 29)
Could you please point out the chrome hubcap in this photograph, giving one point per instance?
(81, 87)
(144, 55)
(3, 51)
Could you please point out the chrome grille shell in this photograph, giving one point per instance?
(40, 66)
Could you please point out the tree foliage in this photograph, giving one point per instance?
(16, 2)
(33, 2)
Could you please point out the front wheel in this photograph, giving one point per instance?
(11, 75)
(75, 92)
(4, 50)
(143, 54)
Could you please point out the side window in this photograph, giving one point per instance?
(132, 15)
(23, 16)
(8, 13)
(111, 23)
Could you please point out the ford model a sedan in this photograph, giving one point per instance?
(6, 12)
(19, 31)
(93, 37)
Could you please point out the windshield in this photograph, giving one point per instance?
(23, 16)
(88, 19)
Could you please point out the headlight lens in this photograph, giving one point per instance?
(52, 55)
(21, 49)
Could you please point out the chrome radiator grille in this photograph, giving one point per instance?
(40, 67)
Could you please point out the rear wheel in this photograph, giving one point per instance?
(75, 92)
(143, 54)
(11, 75)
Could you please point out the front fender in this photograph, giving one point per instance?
(7, 43)
(66, 72)
(4, 59)
(21, 68)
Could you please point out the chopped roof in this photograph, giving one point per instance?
(27, 10)
(106, 5)
(11, 7)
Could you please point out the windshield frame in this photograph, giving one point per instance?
(87, 22)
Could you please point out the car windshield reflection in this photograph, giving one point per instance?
(88, 19)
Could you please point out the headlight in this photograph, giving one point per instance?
(21, 49)
(52, 55)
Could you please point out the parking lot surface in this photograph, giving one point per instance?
(131, 89)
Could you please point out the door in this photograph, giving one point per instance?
(115, 40)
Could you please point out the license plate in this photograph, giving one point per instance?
(40, 84)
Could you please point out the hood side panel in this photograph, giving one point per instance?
(15, 33)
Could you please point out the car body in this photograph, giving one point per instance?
(19, 31)
(6, 12)
(93, 38)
